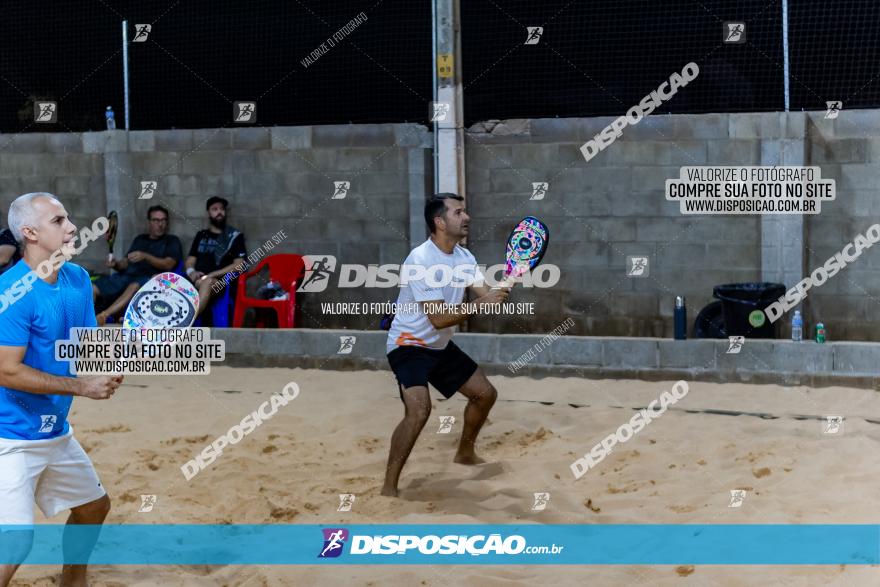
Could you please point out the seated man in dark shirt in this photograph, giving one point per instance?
(9, 250)
(215, 251)
(149, 254)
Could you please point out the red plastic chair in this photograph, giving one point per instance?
(285, 269)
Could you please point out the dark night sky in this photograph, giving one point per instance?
(595, 58)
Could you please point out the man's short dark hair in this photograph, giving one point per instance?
(157, 208)
(436, 206)
(217, 199)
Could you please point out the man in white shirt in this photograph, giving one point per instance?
(420, 347)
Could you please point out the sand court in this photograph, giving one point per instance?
(333, 439)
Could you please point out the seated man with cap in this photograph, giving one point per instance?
(215, 251)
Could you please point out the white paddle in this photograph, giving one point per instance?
(166, 301)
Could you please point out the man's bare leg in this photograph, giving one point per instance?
(417, 402)
(120, 304)
(481, 397)
(204, 286)
(91, 513)
(15, 545)
(6, 572)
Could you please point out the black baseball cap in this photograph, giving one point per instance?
(216, 199)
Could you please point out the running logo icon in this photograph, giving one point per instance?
(736, 344)
(319, 268)
(148, 190)
(244, 112)
(832, 425)
(833, 109)
(439, 111)
(147, 503)
(734, 32)
(346, 345)
(446, 424)
(539, 190)
(142, 31)
(535, 33)
(541, 501)
(47, 423)
(636, 266)
(346, 500)
(334, 541)
(737, 496)
(340, 189)
(46, 112)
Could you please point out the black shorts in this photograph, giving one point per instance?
(447, 370)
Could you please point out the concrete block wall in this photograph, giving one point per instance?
(848, 150)
(279, 178)
(56, 163)
(760, 361)
(283, 179)
(601, 211)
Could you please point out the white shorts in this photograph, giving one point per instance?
(55, 473)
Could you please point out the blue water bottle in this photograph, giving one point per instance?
(680, 318)
(111, 118)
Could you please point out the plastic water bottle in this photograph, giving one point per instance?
(797, 327)
(111, 118)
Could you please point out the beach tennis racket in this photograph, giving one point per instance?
(526, 247)
(166, 301)
(112, 225)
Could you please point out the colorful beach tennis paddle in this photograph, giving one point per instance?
(526, 247)
(112, 225)
(166, 301)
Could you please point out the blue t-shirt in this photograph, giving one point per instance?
(36, 320)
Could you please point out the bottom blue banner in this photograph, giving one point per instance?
(630, 544)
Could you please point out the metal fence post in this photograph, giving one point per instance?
(125, 68)
(785, 62)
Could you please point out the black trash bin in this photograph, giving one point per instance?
(710, 322)
(743, 307)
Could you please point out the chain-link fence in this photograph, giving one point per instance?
(359, 61)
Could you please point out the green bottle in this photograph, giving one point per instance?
(820, 333)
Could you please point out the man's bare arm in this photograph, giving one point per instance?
(161, 263)
(16, 375)
(479, 291)
(458, 314)
(235, 266)
(120, 264)
(439, 320)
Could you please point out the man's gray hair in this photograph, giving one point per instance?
(21, 213)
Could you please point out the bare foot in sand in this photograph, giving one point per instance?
(470, 459)
(389, 492)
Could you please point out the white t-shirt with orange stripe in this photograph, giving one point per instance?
(412, 327)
